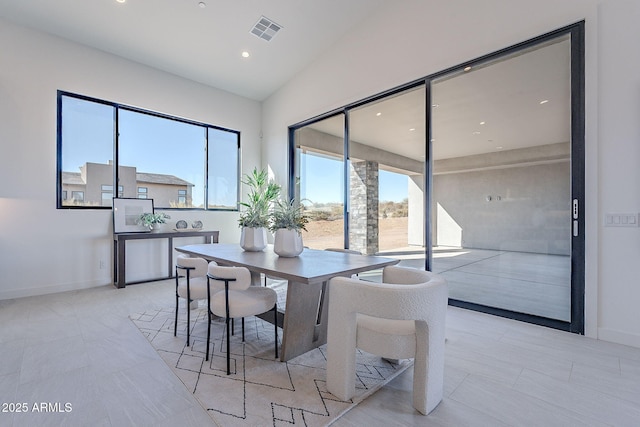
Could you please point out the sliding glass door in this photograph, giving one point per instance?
(501, 201)
(476, 172)
(386, 175)
(319, 178)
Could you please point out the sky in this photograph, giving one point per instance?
(323, 182)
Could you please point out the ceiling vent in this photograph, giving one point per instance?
(265, 28)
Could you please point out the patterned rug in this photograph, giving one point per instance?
(261, 391)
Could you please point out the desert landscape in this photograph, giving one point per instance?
(322, 234)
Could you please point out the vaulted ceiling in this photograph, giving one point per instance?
(204, 40)
(201, 40)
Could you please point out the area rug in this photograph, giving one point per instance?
(261, 390)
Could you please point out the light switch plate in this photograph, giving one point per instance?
(621, 220)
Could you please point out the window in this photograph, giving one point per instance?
(223, 160)
(77, 196)
(107, 194)
(142, 192)
(182, 196)
(170, 160)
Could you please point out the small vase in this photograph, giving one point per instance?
(253, 239)
(287, 243)
(155, 228)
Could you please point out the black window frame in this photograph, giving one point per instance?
(117, 107)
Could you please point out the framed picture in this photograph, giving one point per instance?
(126, 213)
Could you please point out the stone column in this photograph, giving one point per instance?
(416, 218)
(363, 197)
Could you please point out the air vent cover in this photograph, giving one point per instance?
(265, 28)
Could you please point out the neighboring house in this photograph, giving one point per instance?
(93, 186)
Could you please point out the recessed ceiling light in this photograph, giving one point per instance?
(481, 123)
(544, 101)
(412, 129)
(476, 133)
(202, 5)
(245, 54)
(378, 114)
(121, 1)
(467, 68)
(499, 147)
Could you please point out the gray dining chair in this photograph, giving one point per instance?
(231, 296)
(191, 285)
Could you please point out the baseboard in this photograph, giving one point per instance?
(619, 337)
(46, 290)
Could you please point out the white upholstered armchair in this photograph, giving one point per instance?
(401, 318)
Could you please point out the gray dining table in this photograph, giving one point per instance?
(304, 321)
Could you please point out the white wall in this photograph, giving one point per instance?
(43, 249)
(619, 164)
(414, 38)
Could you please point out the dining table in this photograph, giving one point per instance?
(304, 317)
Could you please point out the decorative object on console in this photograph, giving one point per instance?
(197, 225)
(153, 220)
(126, 214)
(181, 225)
(255, 219)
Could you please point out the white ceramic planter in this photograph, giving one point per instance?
(253, 239)
(287, 243)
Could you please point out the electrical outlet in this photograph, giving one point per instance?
(101, 265)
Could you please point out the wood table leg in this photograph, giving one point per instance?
(303, 328)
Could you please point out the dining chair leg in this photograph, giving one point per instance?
(188, 311)
(208, 333)
(226, 294)
(275, 326)
(243, 329)
(228, 349)
(208, 318)
(175, 323)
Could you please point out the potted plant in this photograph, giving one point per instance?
(255, 219)
(153, 220)
(288, 219)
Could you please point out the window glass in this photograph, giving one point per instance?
(159, 157)
(223, 169)
(319, 178)
(86, 130)
(166, 155)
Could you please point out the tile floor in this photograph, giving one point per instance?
(80, 348)
(537, 284)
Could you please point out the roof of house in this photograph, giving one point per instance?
(158, 178)
(75, 178)
(72, 178)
